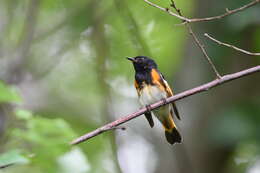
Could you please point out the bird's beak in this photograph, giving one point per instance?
(130, 59)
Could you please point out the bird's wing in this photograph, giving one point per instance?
(169, 94)
(161, 82)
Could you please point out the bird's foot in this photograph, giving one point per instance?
(164, 101)
(149, 108)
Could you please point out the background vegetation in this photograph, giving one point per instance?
(63, 73)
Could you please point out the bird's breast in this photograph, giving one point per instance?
(150, 94)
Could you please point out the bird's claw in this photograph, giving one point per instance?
(164, 101)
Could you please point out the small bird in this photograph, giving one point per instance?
(151, 87)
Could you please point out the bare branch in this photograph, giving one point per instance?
(228, 12)
(187, 20)
(204, 87)
(203, 51)
(168, 11)
(197, 42)
(231, 46)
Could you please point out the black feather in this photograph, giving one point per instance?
(149, 119)
(176, 111)
(173, 136)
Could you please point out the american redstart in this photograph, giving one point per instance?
(152, 87)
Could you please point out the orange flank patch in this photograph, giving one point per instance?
(137, 87)
(155, 75)
(163, 85)
(156, 79)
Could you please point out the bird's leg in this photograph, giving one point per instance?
(148, 107)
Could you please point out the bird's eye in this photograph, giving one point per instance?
(140, 60)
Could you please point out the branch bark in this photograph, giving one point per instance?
(228, 12)
(187, 20)
(204, 87)
(231, 46)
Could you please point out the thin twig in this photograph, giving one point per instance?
(187, 20)
(231, 46)
(228, 12)
(197, 42)
(168, 11)
(204, 87)
(203, 51)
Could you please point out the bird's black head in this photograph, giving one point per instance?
(143, 63)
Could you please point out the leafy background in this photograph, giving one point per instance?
(64, 73)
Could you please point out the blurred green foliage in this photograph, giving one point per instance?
(52, 89)
(13, 157)
(8, 94)
(37, 142)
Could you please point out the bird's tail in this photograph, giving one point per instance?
(173, 136)
(171, 133)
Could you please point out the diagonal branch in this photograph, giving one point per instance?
(168, 11)
(204, 87)
(231, 46)
(195, 38)
(187, 20)
(228, 12)
(203, 51)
